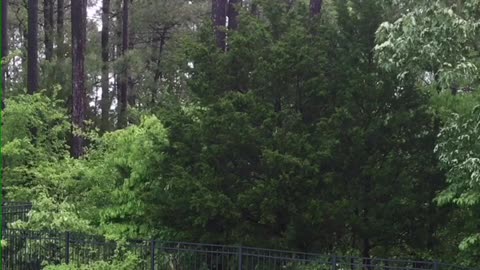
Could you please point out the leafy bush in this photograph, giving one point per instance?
(101, 193)
(128, 263)
(459, 154)
(34, 137)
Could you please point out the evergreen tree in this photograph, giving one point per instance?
(319, 126)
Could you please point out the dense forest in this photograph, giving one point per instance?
(332, 126)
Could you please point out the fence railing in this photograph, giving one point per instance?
(33, 249)
(13, 211)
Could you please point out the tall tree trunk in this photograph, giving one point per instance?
(60, 50)
(117, 53)
(105, 102)
(123, 102)
(60, 30)
(132, 95)
(254, 8)
(213, 11)
(48, 28)
(4, 48)
(220, 19)
(233, 7)
(315, 7)
(23, 33)
(32, 54)
(158, 74)
(79, 18)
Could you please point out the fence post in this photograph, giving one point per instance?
(334, 262)
(153, 253)
(436, 266)
(240, 257)
(67, 248)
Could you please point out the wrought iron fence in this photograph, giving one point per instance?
(33, 249)
(13, 211)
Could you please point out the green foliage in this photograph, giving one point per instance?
(435, 43)
(101, 193)
(124, 165)
(130, 261)
(222, 166)
(459, 150)
(447, 105)
(315, 134)
(35, 130)
(436, 37)
(50, 215)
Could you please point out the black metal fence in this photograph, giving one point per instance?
(13, 211)
(30, 250)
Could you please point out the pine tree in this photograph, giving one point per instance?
(219, 10)
(105, 102)
(4, 48)
(48, 28)
(60, 29)
(123, 87)
(32, 59)
(315, 7)
(79, 18)
(233, 6)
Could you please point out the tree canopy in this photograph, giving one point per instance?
(339, 126)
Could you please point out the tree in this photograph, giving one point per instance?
(315, 7)
(60, 30)
(304, 128)
(459, 153)
(123, 87)
(5, 38)
(219, 22)
(79, 17)
(435, 42)
(48, 8)
(157, 32)
(32, 59)
(24, 153)
(131, 93)
(233, 7)
(319, 137)
(105, 102)
(129, 158)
